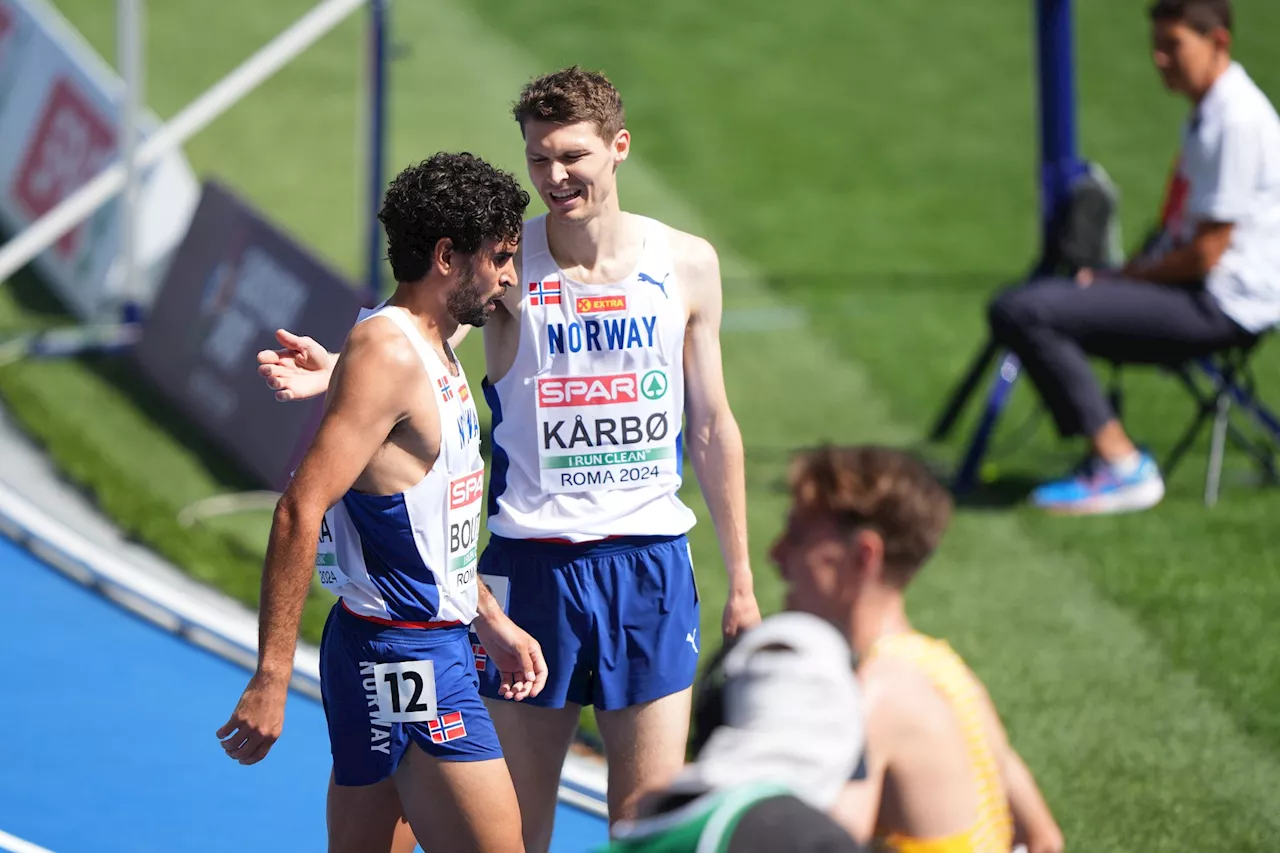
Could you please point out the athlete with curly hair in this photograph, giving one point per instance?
(386, 507)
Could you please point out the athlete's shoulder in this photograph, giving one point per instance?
(697, 267)
(378, 344)
(691, 252)
(900, 699)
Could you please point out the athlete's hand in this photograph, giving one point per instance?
(299, 371)
(741, 612)
(258, 720)
(517, 656)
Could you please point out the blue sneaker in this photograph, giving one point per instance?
(1098, 488)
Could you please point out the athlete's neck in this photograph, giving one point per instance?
(1220, 67)
(877, 613)
(595, 246)
(429, 312)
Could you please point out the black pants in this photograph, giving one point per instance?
(1054, 325)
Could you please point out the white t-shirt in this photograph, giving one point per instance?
(1230, 172)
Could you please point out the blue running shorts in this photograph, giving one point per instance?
(617, 619)
(359, 659)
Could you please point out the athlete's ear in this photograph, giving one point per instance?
(621, 146)
(443, 256)
(868, 554)
(1221, 37)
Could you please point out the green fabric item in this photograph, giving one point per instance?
(704, 825)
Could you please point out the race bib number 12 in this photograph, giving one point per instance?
(406, 691)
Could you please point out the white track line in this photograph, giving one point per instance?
(14, 844)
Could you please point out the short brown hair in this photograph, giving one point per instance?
(570, 96)
(1203, 16)
(887, 490)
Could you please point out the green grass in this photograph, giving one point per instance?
(870, 164)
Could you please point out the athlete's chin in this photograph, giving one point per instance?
(474, 318)
(574, 214)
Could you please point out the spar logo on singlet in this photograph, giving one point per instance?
(466, 490)
(587, 390)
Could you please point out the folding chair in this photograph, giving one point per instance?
(1083, 232)
(1226, 378)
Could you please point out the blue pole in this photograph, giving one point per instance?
(377, 137)
(1060, 164)
(1059, 160)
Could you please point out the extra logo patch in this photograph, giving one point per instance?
(600, 304)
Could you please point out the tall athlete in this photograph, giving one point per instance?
(603, 371)
(385, 506)
(941, 775)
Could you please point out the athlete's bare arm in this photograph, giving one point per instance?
(1033, 821)
(859, 803)
(858, 808)
(368, 399)
(713, 437)
(517, 655)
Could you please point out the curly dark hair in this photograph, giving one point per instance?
(458, 196)
(572, 95)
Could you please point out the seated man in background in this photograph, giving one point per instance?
(777, 731)
(1211, 280)
(941, 776)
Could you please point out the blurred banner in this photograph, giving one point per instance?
(58, 122)
(235, 280)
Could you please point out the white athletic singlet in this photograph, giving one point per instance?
(411, 556)
(586, 425)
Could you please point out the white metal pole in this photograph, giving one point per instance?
(129, 59)
(73, 209)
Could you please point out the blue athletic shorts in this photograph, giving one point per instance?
(617, 620)
(366, 749)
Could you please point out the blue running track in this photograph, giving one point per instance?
(107, 737)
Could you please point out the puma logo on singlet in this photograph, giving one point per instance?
(692, 639)
(661, 285)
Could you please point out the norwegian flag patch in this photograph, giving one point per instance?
(544, 292)
(446, 390)
(482, 657)
(446, 728)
